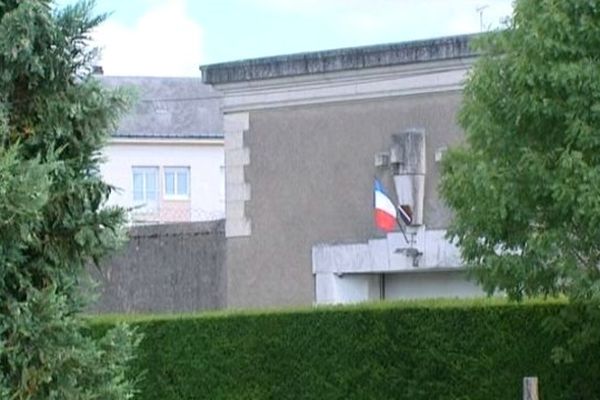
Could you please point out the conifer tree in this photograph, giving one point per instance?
(54, 119)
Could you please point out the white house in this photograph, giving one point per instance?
(166, 158)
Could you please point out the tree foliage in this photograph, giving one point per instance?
(525, 191)
(54, 119)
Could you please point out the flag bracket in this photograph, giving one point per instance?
(411, 252)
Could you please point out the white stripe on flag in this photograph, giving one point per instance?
(383, 203)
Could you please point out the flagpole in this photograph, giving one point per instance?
(402, 228)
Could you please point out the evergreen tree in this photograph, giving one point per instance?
(54, 119)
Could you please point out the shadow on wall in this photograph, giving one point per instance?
(165, 268)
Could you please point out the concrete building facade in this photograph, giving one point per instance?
(302, 133)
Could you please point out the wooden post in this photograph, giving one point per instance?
(530, 388)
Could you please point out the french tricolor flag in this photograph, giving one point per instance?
(385, 211)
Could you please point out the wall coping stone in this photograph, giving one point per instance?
(355, 58)
(216, 227)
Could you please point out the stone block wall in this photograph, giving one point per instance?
(165, 268)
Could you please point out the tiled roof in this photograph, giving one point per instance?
(181, 108)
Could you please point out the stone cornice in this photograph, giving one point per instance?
(330, 61)
(368, 83)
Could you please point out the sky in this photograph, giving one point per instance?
(175, 37)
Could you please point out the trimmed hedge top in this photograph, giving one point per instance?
(408, 350)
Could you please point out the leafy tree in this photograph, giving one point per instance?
(525, 191)
(54, 119)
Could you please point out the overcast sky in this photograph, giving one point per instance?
(175, 37)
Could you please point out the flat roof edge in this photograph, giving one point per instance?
(383, 55)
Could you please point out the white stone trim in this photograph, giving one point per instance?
(237, 190)
(238, 156)
(344, 272)
(235, 174)
(368, 83)
(382, 255)
(236, 123)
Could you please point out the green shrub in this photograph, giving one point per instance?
(461, 350)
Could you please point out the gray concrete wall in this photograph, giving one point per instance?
(423, 285)
(165, 268)
(311, 175)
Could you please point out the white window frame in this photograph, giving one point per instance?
(176, 171)
(148, 203)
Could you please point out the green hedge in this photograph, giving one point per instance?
(400, 351)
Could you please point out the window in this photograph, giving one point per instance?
(145, 185)
(177, 182)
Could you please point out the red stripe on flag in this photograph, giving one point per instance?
(384, 221)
